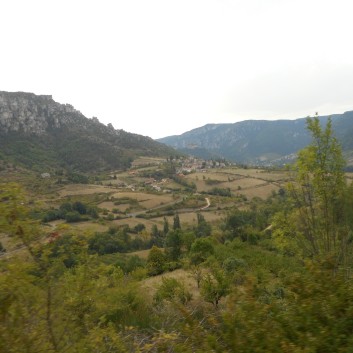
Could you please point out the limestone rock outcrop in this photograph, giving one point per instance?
(29, 113)
(37, 132)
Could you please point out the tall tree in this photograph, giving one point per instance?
(176, 222)
(173, 244)
(165, 226)
(203, 228)
(318, 194)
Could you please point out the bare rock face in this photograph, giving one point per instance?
(38, 132)
(32, 114)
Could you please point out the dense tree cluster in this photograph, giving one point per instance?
(71, 212)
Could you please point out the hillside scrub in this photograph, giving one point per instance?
(274, 276)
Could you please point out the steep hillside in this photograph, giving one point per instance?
(258, 142)
(38, 132)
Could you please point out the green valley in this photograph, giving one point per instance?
(174, 253)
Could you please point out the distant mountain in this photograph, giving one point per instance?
(258, 142)
(37, 132)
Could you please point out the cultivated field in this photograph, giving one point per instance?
(84, 189)
(143, 161)
(133, 221)
(239, 180)
(135, 203)
(146, 200)
(262, 191)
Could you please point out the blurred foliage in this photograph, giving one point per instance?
(247, 284)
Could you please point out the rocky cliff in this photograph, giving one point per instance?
(36, 130)
(29, 113)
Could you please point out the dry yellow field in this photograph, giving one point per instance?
(191, 217)
(208, 175)
(246, 183)
(132, 222)
(143, 254)
(109, 205)
(233, 185)
(274, 176)
(157, 200)
(83, 189)
(147, 160)
(90, 226)
(258, 173)
(171, 184)
(234, 179)
(201, 186)
(262, 191)
(146, 200)
(242, 171)
(139, 196)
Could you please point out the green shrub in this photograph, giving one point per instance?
(172, 290)
(72, 217)
(232, 264)
(200, 250)
(156, 261)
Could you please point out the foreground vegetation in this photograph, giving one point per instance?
(273, 274)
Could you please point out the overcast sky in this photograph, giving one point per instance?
(163, 67)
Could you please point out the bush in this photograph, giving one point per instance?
(126, 263)
(156, 261)
(72, 217)
(172, 290)
(232, 264)
(107, 243)
(172, 266)
(79, 207)
(200, 250)
(52, 215)
(220, 192)
(214, 287)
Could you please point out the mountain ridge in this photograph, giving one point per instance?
(258, 142)
(37, 131)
